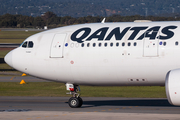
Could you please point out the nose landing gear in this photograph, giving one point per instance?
(75, 101)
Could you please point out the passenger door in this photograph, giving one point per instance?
(57, 46)
(150, 46)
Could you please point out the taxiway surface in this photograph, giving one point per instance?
(103, 107)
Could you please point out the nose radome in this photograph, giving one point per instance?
(8, 58)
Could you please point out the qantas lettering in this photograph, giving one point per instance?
(100, 33)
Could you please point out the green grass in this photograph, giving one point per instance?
(15, 36)
(11, 40)
(5, 66)
(58, 89)
(3, 53)
(135, 91)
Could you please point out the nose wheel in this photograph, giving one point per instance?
(75, 101)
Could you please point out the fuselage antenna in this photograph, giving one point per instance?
(103, 21)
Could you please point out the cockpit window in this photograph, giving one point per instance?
(24, 44)
(30, 44)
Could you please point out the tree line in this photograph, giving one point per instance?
(80, 8)
(52, 20)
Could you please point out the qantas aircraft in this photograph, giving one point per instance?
(104, 54)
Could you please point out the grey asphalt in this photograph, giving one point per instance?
(91, 104)
(103, 107)
(9, 45)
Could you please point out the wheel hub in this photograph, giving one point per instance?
(73, 102)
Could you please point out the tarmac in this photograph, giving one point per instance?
(102, 108)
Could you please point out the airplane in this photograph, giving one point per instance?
(139, 53)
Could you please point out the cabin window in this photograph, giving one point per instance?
(77, 45)
(94, 44)
(111, 44)
(164, 43)
(135, 44)
(30, 44)
(99, 44)
(176, 43)
(105, 44)
(123, 44)
(72, 45)
(117, 44)
(24, 44)
(129, 44)
(88, 45)
(82, 45)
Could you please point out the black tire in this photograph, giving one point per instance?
(80, 101)
(74, 102)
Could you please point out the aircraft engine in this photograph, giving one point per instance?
(172, 85)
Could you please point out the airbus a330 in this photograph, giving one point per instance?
(104, 54)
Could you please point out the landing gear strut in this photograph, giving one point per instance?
(75, 101)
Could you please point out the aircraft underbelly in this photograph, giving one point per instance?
(118, 74)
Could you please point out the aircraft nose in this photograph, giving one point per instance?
(8, 58)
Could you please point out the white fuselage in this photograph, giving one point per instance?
(141, 54)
